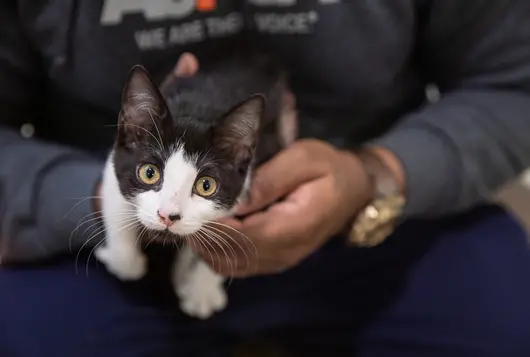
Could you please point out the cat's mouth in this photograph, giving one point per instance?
(150, 236)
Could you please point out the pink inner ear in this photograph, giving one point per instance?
(187, 65)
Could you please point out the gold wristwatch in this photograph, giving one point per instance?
(379, 218)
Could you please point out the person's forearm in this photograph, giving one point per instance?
(456, 152)
(47, 191)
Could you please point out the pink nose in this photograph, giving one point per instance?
(168, 218)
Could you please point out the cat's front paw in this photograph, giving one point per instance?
(201, 292)
(126, 265)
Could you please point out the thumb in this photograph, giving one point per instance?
(187, 65)
(278, 177)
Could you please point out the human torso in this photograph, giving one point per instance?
(351, 63)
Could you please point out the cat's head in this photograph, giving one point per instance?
(179, 170)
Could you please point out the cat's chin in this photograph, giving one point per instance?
(151, 236)
(179, 229)
(166, 235)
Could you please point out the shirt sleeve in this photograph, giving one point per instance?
(42, 185)
(456, 152)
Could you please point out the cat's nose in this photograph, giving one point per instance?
(168, 218)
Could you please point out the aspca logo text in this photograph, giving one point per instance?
(281, 3)
(272, 2)
(153, 10)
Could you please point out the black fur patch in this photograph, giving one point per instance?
(226, 116)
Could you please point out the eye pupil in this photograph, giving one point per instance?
(206, 185)
(149, 172)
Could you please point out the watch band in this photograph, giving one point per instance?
(377, 220)
(382, 179)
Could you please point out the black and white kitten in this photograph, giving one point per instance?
(184, 159)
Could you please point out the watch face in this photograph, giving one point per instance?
(377, 221)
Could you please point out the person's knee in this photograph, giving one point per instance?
(467, 296)
(52, 311)
(419, 336)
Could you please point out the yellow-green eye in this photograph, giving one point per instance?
(205, 186)
(149, 174)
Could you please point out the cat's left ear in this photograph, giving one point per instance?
(142, 107)
(238, 132)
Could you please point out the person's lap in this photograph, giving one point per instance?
(467, 296)
(452, 288)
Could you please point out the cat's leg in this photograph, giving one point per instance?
(200, 289)
(120, 253)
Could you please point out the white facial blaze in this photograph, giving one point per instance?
(176, 197)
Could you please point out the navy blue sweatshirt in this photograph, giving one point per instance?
(358, 69)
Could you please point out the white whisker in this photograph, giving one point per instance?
(81, 200)
(218, 234)
(129, 225)
(148, 132)
(160, 142)
(90, 254)
(203, 242)
(247, 240)
(215, 240)
(222, 240)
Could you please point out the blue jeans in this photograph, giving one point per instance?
(453, 287)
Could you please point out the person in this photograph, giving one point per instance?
(450, 278)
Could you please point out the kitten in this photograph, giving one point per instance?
(184, 159)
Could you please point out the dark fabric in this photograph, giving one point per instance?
(357, 68)
(457, 287)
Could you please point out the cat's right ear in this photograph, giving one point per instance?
(143, 108)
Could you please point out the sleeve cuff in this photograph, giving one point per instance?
(432, 168)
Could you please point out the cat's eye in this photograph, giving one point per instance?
(148, 174)
(205, 186)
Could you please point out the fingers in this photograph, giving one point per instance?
(229, 268)
(295, 216)
(273, 240)
(187, 65)
(282, 174)
(227, 250)
(230, 261)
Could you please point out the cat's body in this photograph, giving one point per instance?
(185, 160)
(227, 82)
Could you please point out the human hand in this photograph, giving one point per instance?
(187, 66)
(322, 189)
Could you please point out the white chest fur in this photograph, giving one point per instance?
(200, 289)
